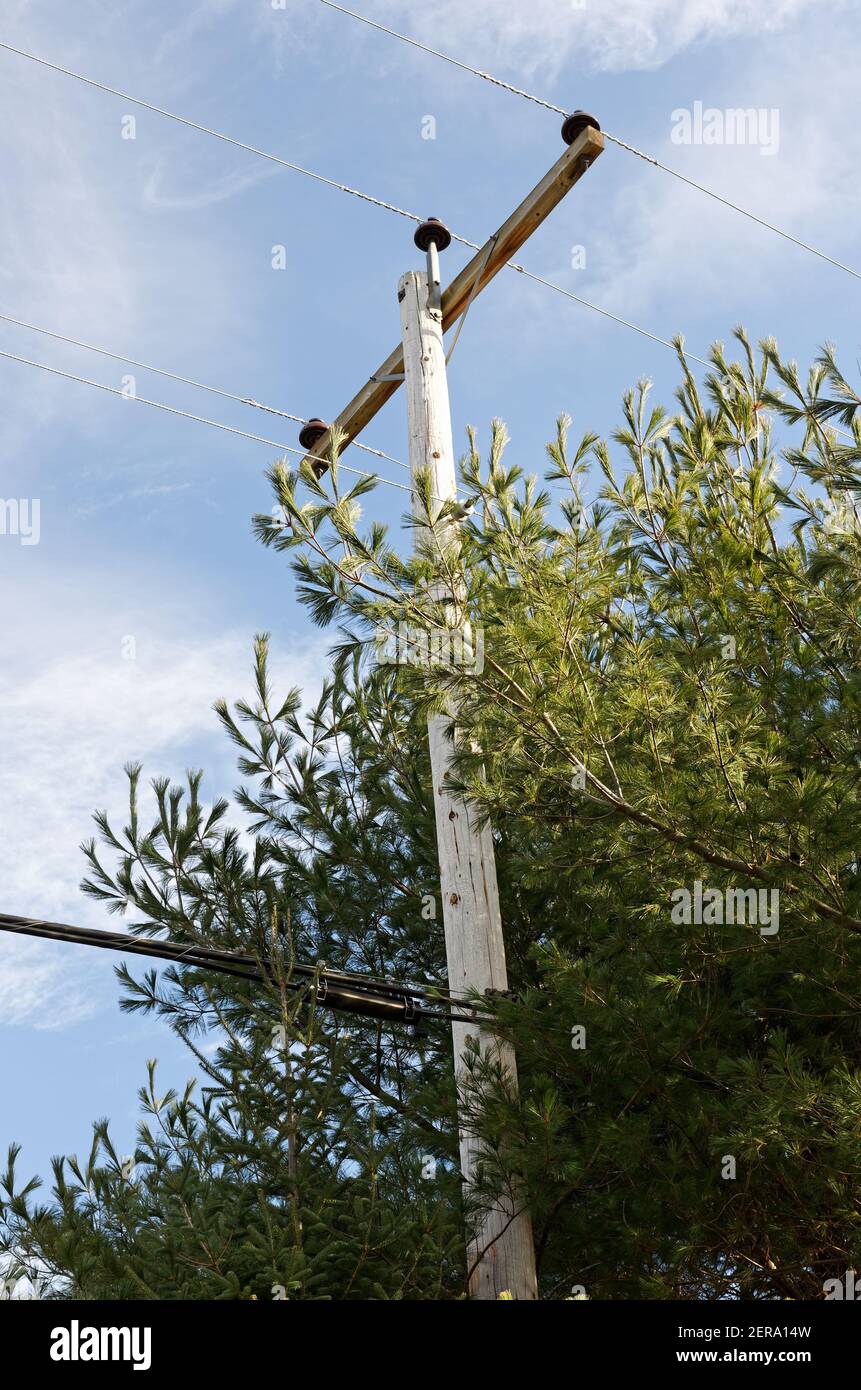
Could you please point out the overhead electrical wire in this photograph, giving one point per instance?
(340, 990)
(616, 140)
(376, 202)
(341, 187)
(187, 415)
(186, 381)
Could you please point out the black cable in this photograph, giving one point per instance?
(335, 990)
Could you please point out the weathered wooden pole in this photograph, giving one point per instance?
(501, 1254)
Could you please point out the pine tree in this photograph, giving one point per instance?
(669, 698)
(314, 1158)
(664, 722)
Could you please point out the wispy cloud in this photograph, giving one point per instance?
(37, 990)
(191, 198)
(664, 255)
(605, 35)
(73, 711)
(199, 19)
(84, 250)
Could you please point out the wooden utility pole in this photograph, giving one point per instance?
(501, 1253)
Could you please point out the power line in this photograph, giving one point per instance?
(365, 197)
(623, 144)
(331, 183)
(187, 381)
(207, 130)
(186, 415)
(338, 990)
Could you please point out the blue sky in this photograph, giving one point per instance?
(161, 248)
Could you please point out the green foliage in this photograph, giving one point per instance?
(669, 694)
(314, 1158)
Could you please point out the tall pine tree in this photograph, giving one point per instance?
(667, 713)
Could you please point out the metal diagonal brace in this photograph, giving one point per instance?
(433, 289)
(473, 292)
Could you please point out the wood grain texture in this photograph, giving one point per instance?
(502, 1253)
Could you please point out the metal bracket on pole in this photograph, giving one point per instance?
(434, 279)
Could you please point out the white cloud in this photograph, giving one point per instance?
(72, 713)
(217, 191)
(664, 255)
(39, 992)
(605, 35)
(202, 17)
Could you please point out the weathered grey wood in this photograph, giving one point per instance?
(536, 206)
(502, 1256)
